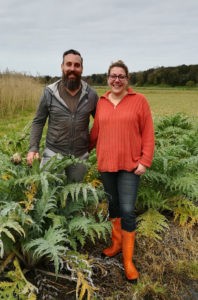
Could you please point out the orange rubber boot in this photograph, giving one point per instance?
(128, 241)
(116, 239)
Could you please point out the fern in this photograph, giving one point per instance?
(175, 165)
(155, 177)
(71, 208)
(7, 225)
(74, 190)
(13, 210)
(151, 224)
(185, 211)
(50, 245)
(178, 120)
(88, 227)
(43, 206)
(8, 207)
(34, 199)
(149, 198)
(41, 179)
(84, 287)
(81, 271)
(75, 237)
(58, 163)
(17, 287)
(186, 185)
(5, 187)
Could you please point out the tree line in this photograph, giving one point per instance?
(183, 75)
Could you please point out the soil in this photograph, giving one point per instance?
(155, 260)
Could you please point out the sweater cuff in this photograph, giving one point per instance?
(145, 162)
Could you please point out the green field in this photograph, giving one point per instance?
(163, 102)
(167, 101)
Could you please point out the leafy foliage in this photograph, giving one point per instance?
(88, 226)
(185, 211)
(172, 182)
(43, 217)
(152, 223)
(175, 164)
(50, 245)
(17, 287)
(7, 224)
(82, 273)
(74, 190)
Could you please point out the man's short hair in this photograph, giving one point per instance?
(72, 51)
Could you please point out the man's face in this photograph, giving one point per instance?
(72, 70)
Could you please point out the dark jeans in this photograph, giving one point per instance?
(121, 188)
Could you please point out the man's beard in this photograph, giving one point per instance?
(71, 84)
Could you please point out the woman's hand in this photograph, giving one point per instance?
(140, 170)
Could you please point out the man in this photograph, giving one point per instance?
(68, 103)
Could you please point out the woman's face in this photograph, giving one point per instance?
(117, 80)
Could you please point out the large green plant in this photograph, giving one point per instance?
(171, 184)
(44, 217)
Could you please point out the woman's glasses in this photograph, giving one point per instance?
(120, 77)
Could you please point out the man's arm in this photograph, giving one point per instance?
(37, 127)
(94, 97)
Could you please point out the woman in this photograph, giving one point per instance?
(124, 138)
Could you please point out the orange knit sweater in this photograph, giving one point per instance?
(123, 134)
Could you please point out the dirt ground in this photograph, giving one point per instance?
(158, 264)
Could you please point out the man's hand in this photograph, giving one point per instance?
(31, 156)
(140, 170)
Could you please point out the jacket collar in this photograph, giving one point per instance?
(54, 90)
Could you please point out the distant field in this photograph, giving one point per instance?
(163, 102)
(168, 101)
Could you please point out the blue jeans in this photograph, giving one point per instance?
(122, 188)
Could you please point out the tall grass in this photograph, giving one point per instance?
(18, 93)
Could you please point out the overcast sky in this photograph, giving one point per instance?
(143, 33)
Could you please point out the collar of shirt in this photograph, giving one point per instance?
(129, 90)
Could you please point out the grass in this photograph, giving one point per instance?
(167, 101)
(19, 96)
(11, 125)
(171, 101)
(18, 93)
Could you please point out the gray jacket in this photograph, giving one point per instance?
(67, 133)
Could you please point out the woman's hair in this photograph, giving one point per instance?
(119, 64)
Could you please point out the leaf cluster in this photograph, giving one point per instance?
(41, 215)
(17, 287)
(171, 184)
